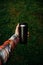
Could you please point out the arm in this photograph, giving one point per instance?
(7, 46)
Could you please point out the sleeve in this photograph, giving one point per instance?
(14, 38)
(5, 53)
(8, 46)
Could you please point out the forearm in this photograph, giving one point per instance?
(8, 46)
(14, 40)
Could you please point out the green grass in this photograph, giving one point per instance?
(30, 11)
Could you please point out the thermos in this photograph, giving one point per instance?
(23, 29)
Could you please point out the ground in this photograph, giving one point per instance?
(30, 11)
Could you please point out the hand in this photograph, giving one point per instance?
(16, 30)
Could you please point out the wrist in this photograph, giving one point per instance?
(13, 37)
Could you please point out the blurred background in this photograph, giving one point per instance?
(16, 11)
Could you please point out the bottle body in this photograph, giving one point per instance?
(23, 29)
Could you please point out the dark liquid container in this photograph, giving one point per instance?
(23, 29)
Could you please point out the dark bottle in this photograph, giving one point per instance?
(23, 29)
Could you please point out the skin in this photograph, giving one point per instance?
(6, 42)
(11, 42)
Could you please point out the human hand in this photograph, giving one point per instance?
(17, 30)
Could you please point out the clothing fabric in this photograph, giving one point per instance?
(7, 47)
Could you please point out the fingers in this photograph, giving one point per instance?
(28, 34)
(16, 30)
(17, 25)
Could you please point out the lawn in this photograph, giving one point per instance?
(30, 11)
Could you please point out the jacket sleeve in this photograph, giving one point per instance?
(8, 46)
